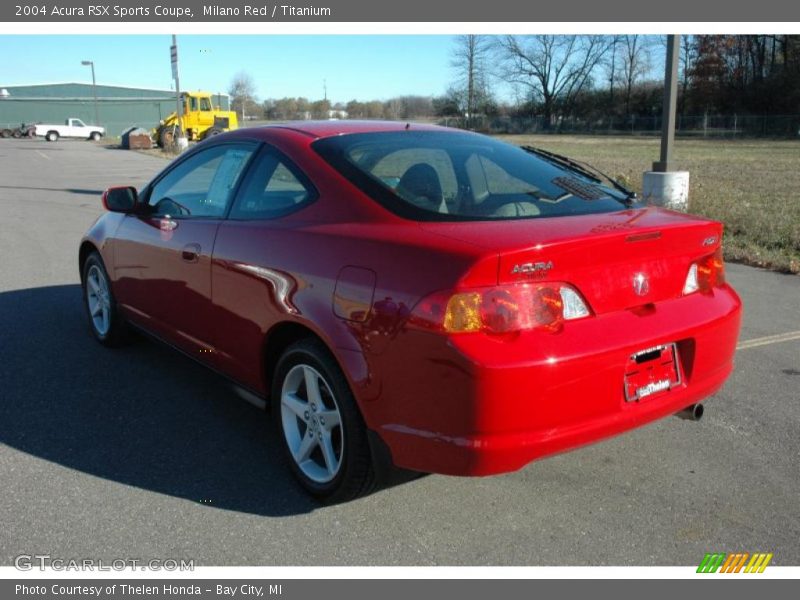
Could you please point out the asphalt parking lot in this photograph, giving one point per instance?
(140, 453)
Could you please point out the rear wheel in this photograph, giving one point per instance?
(323, 433)
(105, 322)
(52, 136)
(5, 133)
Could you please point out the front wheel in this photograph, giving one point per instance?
(105, 322)
(323, 433)
(95, 136)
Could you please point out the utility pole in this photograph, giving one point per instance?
(90, 63)
(663, 186)
(670, 105)
(173, 51)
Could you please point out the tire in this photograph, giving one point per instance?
(52, 136)
(5, 133)
(95, 136)
(211, 132)
(105, 322)
(306, 423)
(16, 134)
(167, 136)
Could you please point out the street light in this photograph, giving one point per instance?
(90, 63)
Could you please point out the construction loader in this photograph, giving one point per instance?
(200, 120)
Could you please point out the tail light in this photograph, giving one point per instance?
(501, 309)
(705, 274)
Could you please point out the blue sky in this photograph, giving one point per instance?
(355, 66)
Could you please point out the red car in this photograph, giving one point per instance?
(413, 296)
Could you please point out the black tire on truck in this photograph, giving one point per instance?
(96, 135)
(211, 132)
(52, 136)
(167, 135)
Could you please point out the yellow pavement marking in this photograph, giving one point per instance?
(769, 339)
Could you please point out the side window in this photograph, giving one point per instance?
(200, 186)
(273, 188)
(192, 104)
(205, 104)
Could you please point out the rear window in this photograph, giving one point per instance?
(451, 176)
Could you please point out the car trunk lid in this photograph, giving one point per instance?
(616, 260)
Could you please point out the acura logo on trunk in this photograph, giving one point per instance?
(640, 284)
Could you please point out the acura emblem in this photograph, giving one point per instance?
(640, 284)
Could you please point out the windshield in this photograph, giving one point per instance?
(450, 176)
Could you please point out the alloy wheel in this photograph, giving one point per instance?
(98, 300)
(312, 423)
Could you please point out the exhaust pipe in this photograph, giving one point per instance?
(693, 412)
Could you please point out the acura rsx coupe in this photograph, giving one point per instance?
(409, 298)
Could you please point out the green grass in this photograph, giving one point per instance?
(752, 186)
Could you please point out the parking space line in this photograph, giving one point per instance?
(769, 339)
(43, 155)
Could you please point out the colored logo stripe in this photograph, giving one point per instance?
(758, 563)
(733, 563)
(711, 563)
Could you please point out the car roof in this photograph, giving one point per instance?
(322, 129)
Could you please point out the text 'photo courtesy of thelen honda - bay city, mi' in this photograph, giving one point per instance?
(413, 298)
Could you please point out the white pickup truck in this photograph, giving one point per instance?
(73, 128)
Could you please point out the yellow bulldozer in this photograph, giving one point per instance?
(200, 120)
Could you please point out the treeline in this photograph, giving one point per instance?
(593, 76)
(555, 77)
(402, 107)
(729, 74)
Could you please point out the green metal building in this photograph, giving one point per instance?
(118, 107)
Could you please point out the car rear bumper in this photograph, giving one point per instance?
(481, 406)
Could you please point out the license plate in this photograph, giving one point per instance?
(651, 372)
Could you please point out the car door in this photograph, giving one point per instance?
(162, 256)
(253, 264)
(205, 116)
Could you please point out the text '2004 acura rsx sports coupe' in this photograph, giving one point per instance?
(413, 298)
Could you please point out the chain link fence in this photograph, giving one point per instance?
(703, 126)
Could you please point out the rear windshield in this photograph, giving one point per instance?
(452, 176)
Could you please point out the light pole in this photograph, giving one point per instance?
(663, 185)
(90, 63)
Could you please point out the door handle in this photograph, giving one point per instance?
(191, 252)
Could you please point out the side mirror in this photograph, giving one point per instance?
(120, 199)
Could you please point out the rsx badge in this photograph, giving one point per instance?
(532, 267)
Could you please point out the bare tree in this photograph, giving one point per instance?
(635, 63)
(554, 69)
(612, 66)
(469, 59)
(243, 92)
(687, 58)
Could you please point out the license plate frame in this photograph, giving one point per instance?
(651, 372)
